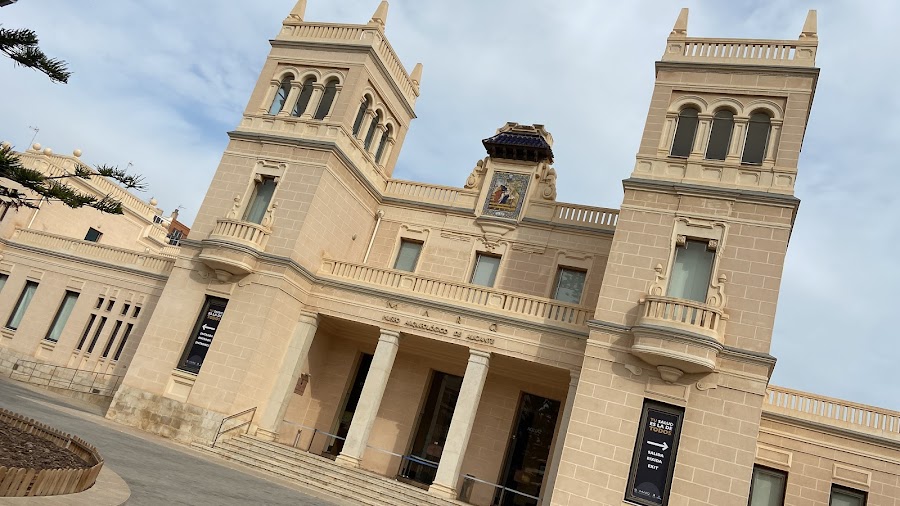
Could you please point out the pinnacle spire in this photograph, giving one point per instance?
(380, 16)
(680, 28)
(298, 11)
(810, 26)
(416, 75)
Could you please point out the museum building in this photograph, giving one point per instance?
(483, 343)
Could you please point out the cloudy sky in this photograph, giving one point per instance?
(158, 84)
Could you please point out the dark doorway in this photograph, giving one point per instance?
(335, 445)
(434, 423)
(529, 449)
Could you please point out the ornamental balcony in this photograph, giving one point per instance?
(678, 336)
(233, 247)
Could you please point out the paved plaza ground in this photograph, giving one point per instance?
(158, 471)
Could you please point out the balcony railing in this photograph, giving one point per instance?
(835, 412)
(516, 305)
(434, 194)
(788, 53)
(683, 314)
(94, 251)
(598, 218)
(241, 232)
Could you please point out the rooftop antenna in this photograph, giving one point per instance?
(33, 137)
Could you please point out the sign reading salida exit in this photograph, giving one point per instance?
(654, 454)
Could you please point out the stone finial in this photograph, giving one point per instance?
(76, 153)
(298, 11)
(810, 26)
(680, 28)
(36, 146)
(380, 16)
(416, 75)
(48, 151)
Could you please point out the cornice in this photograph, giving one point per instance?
(712, 191)
(836, 431)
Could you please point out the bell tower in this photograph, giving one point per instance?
(681, 335)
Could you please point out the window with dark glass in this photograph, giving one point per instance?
(112, 338)
(691, 271)
(97, 334)
(327, 99)
(99, 303)
(303, 99)
(361, 115)
(383, 144)
(281, 96)
(485, 271)
(123, 341)
(125, 309)
(62, 316)
(569, 285)
(93, 235)
(842, 496)
(263, 190)
(373, 126)
(87, 331)
(720, 136)
(21, 305)
(3, 278)
(757, 139)
(685, 131)
(137, 311)
(408, 255)
(767, 487)
(110, 304)
(202, 335)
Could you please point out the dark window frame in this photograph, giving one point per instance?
(680, 125)
(478, 255)
(715, 149)
(771, 471)
(9, 321)
(559, 269)
(861, 494)
(59, 311)
(93, 235)
(418, 255)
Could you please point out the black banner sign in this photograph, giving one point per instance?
(654, 454)
(203, 334)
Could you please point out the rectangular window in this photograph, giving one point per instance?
(110, 304)
(202, 336)
(569, 285)
(691, 271)
(112, 338)
(408, 256)
(97, 334)
(137, 311)
(22, 305)
(655, 451)
(125, 309)
(99, 303)
(485, 272)
(259, 201)
(841, 496)
(87, 331)
(767, 487)
(3, 278)
(123, 341)
(93, 235)
(62, 316)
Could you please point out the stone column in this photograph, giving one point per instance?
(290, 100)
(370, 399)
(337, 95)
(270, 95)
(380, 132)
(560, 439)
(273, 409)
(738, 135)
(313, 105)
(668, 135)
(772, 143)
(367, 122)
(461, 426)
(701, 138)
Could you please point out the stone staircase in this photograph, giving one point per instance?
(355, 486)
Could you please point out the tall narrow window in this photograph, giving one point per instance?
(87, 331)
(485, 272)
(259, 201)
(123, 341)
(372, 127)
(303, 99)
(62, 316)
(327, 99)
(383, 144)
(691, 271)
(841, 496)
(767, 487)
(281, 96)
(112, 338)
(96, 334)
(22, 305)
(685, 132)
(408, 256)
(720, 136)
(93, 235)
(361, 115)
(3, 278)
(569, 285)
(757, 139)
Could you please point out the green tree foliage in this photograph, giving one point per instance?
(22, 46)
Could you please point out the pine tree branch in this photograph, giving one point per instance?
(21, 45)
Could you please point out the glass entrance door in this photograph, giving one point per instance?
(529, 449)
(335, 445)
(434, 423)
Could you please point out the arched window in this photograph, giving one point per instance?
(303, 99)
(361, 115)
(383, 144)
(685, 132)
(371, 133)
(281, 96)
(720, 136)
(327, 99)
(757, 139)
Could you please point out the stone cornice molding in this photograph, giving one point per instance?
(830, 429)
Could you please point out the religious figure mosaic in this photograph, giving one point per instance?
(506, 195)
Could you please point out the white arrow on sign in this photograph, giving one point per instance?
(207, 327)
(662, 445)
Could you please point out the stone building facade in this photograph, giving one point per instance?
(473, 339)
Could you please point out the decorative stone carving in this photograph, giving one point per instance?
(547, 180)
(659, 285)
(235, 208)
(633, 369)
(477, 176)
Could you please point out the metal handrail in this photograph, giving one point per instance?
(61, 382)
(231, 417)
(503, 489)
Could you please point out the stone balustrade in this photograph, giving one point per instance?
(94, 252)
(783, 53)
(433, 194)
(241, 232)
(597, 218)
(513, 304)
(683, 314)
(833, 412)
